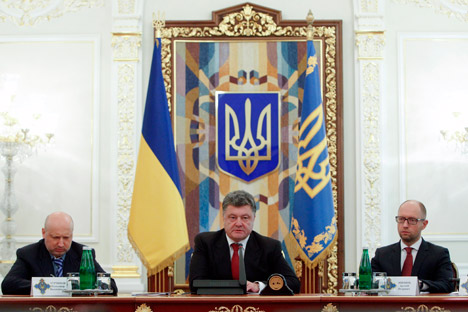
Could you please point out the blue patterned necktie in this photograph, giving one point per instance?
(59, 266)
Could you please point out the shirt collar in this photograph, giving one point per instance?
(243, 242)
(415, 246)
(62, 257)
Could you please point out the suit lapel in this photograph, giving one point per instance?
(396, 259)
(222, 256)
(420, 257)
(72, 260)
(252, 255)
(45, 262)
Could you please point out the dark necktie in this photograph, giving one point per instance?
(408, 265)
(235, 261)
(59, 265)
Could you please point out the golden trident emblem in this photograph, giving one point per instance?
(248, 152)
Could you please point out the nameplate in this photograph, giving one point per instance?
(403, 285)
(49, 287)
(463, 289)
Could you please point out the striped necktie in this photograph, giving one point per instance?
(59, 266)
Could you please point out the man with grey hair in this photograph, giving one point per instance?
(56, 254)
(214, 251)
(412, 255)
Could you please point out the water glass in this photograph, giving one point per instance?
(349, 281)
(379, 280)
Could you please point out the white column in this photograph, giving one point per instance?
(127, 103)
(370, 41)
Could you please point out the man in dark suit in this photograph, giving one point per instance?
(413, 255)
(263, 256)
(44, 257)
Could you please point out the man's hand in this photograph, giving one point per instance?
(252, 287)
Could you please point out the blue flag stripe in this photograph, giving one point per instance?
(157, 129)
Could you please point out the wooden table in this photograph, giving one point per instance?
(245, 303)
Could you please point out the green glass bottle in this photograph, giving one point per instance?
(365, 270)
(87, 269)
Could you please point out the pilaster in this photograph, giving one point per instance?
(126, 90)
(370, 43)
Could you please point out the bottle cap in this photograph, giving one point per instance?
(87, 248)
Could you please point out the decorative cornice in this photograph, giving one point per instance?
(451, 8)
(28, 13)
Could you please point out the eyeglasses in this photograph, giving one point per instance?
(412, 221)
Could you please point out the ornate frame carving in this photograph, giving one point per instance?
(252, 22)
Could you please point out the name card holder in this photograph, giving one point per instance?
(463, 289)
(49, 287)
(403, 286)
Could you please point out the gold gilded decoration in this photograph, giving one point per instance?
(236, 308)
(317, 245)
(126, 6)
(298, 268)
(423, 308)
(158, 24)
(170, 271)
(327, 34)
(332, 261)
(371, 160)
(248, 158)
(28, 13)
(370, 6)
(52, 308)
(126, 47)
(143, 308)
(330, 308)
(451, 8)
(125, 156)
(125, 271)
(370, 45)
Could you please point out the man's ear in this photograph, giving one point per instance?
(43, 233)
(425, 222)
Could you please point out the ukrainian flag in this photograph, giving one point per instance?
(156, 228)
(313, 223)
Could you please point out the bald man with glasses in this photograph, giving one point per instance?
(412, 255)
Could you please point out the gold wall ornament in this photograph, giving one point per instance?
(126, 98)
(236, 308)
(28, 13)
(330, 308)
(143, 308)
(451, 8)
(423, 308)
(370, 44)
(52, 308)
(126, 47)
(126, 6)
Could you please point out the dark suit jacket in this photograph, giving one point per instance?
(432, 265)
(263, 257)
(34, 261)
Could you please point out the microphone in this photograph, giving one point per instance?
(242, 275)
